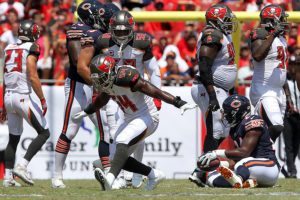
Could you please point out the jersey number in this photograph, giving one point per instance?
(281, 56)
(14, 59)
(125, 103)
(231, 53)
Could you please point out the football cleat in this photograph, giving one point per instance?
(231, 177)
(58, 183)
(23, 174)
(102, 179)
(250, 183)
(119, 183)
(137, 180)
(197, 178)
(99, 178)
(11, 183)
(153, 182)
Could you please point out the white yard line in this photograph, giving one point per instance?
(21, 195)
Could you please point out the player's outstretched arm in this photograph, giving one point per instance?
(84, 59)
(149, 89)
(35, 81)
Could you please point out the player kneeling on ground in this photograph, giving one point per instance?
(133, 94)
(256, 163)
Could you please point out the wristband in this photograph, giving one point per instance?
(224, 163)
(178, 102)
(220, 153)
(90, 109)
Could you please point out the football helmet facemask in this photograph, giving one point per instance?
(222, 18)
(102, 73)
(121, 27)
(235, 109)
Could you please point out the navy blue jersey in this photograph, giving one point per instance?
(75, 34)
(264, 147)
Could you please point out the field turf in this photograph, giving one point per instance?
(170, 189)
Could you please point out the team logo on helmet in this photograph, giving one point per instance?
(107, 64)
(235, 104)
(101, 11)
(86, 6)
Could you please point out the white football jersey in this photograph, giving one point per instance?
(15, 75)
(132, 103)
(272, 70)
(224, 69)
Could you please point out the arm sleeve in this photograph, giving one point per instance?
(153, 71)
(34, 50)
(258, 34)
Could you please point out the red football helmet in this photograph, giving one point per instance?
(272, 16)
(221, 17)
(102, 72)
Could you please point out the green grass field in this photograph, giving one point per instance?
(169, 189)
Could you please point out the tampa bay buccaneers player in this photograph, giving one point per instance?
(78, 93)
(125, 85)
(20, 78)
(269, 92)
(127, 47)
(217, 72)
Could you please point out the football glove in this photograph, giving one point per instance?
(187, 106)
(205, 159)
(44, 106)
(80, 115)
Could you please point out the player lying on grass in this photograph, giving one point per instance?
(134, 95)
(254, 156)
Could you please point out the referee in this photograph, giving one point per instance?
(292, 119)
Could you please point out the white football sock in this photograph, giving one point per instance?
(152, 173)
(23, 162)
(8, 174)
(110, 178)
(60, 160)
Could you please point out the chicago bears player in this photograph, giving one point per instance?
(126, 86)
(215, 54)
(126, 47)
(20, 75)
(254, 155)
(78, 93)
(269, 90)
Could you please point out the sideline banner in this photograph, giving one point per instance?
(173, 148)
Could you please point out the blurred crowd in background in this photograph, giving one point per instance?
(174, 43)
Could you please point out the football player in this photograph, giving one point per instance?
(254, 155)
(125, 85)
(78, 93)
(127, 47)
(20, 75)
(269, 90)
(215, 54)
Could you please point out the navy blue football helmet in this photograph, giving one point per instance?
(91, 13)
(235, 109)
(110, 10)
